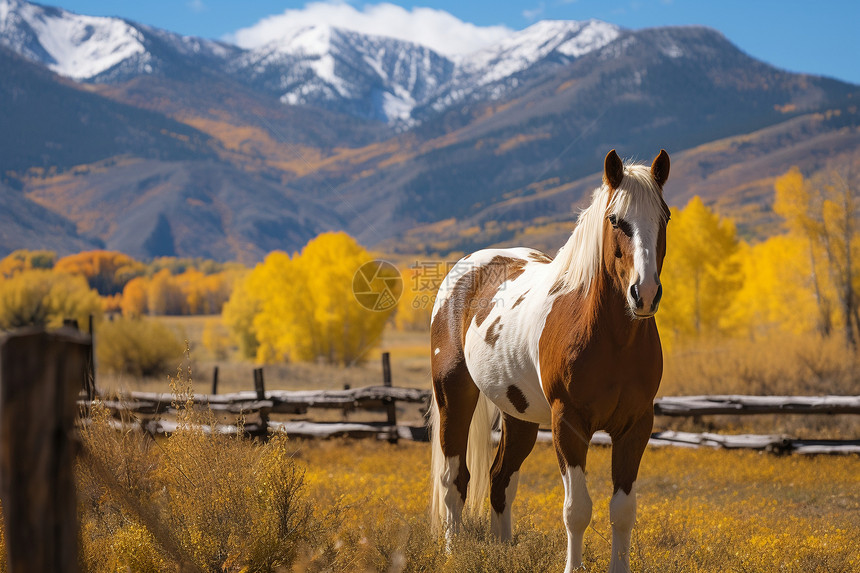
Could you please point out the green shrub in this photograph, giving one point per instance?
(142, 348)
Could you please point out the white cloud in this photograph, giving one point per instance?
(430, 27)
(534, 13)
(196, 6)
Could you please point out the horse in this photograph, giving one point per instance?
(569, 342)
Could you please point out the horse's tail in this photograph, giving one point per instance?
(478, 459)
(479, 454)
(437, 466)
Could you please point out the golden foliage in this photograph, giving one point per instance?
(420, 285)
(216, 338)
(777, 292)
(303, 308)
(700, 274)
(105, 271)
(45, 298)
(191, 292)
(24, 260)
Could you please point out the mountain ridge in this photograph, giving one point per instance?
(232, 171)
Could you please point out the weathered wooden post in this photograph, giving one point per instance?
(260, 388)
(90, 381)
(40, 378)
(346, 409)
(259, 385)
(215, 380)
(390, 405)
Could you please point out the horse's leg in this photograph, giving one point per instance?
(518, 439)
(456, 396)
(627, 452)
(571, 445)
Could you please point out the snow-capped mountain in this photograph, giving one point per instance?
(93, 48)
(395, 81)
(370, 76)
(491, 72)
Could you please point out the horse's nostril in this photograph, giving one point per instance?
(657, 298)
(634, 292)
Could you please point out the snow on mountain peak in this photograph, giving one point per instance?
(373, 76)
(569, 37)
(75, 46)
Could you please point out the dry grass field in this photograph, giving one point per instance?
(699, 510)
(362, 505)
(202, 502)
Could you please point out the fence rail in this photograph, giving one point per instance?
(386, 397)
(749, 405)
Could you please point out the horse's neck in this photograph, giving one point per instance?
(610, 310)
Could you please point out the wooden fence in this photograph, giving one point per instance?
(259, 404)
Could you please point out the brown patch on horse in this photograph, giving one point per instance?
(493, 331)
(521, 299)
(486, 284)
(517, 399)
(540, 257)
(556, 287)
(484, 311)
(518, 440)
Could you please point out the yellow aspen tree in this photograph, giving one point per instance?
(303, 308)
(416, 303)
(796, 203)
(240, 310)
(777, 292)
(135, 298)
(164, 296)
(105, 271)
(825, 212)
(45, 298)
(25, 260)
(701, 274)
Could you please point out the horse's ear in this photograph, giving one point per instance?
(613, 170)
(660, 168)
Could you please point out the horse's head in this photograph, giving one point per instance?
(635, 230)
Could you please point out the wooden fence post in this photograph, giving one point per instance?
(346, 410)
(90, 381)
(390, 405)
(260, 388)
(259, 385)
(40, 378)
(215, 380)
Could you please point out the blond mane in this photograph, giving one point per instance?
(638, 195)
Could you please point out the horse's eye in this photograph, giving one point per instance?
(613, 220)
(625, 228)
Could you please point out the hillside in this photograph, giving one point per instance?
(27, 225)
(49, 122)
(156, 143)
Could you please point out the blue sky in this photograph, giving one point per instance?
(816, 37)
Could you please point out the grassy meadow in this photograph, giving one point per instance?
(201, 502)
